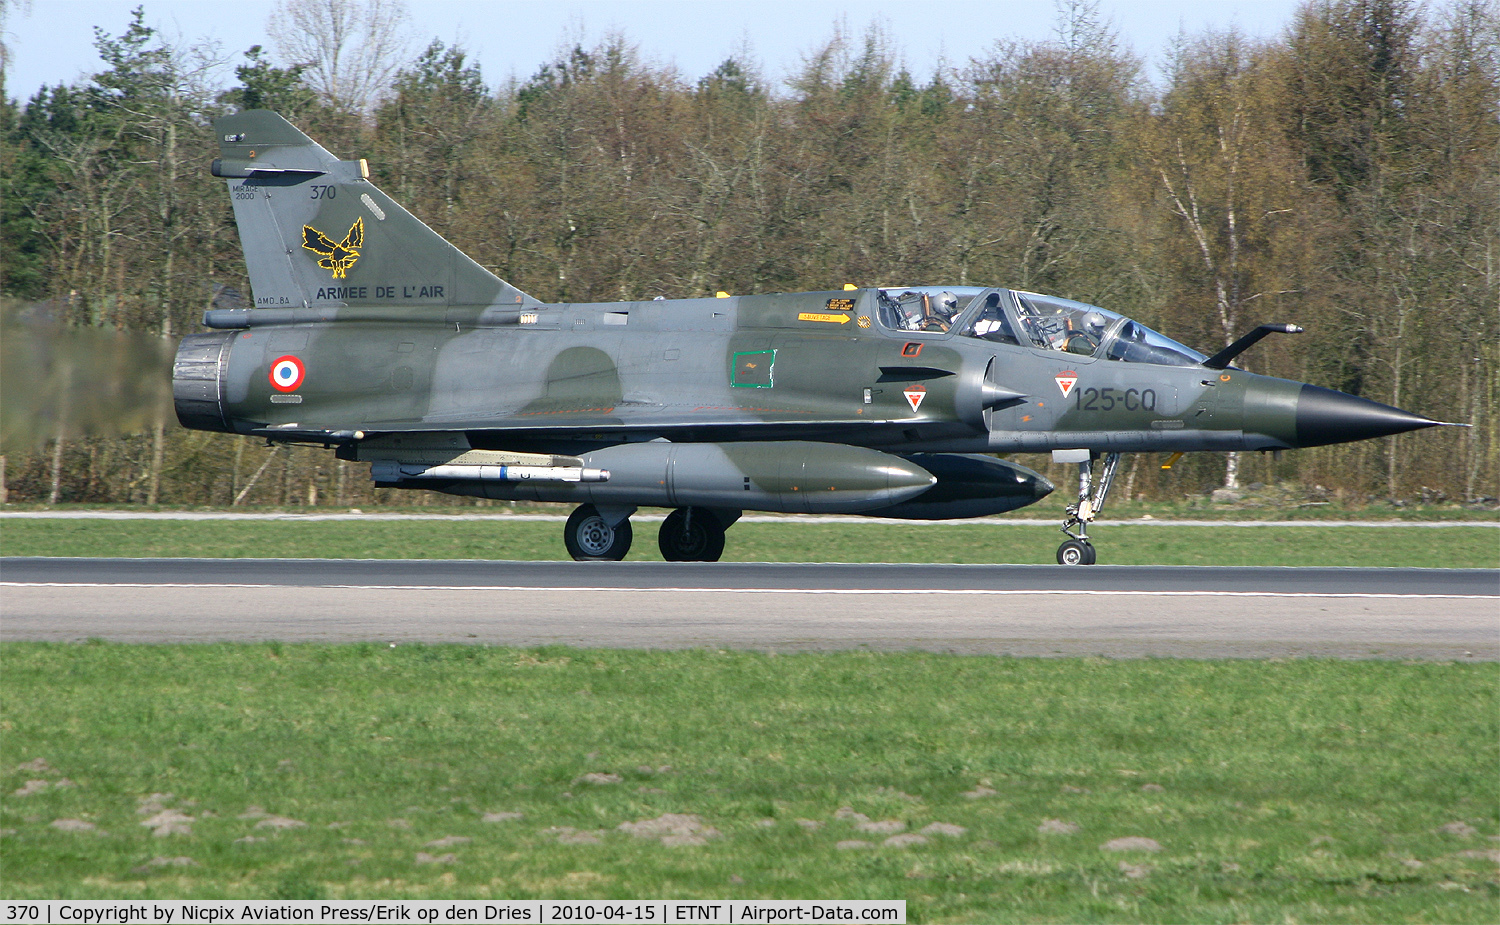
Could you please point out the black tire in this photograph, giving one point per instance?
(702, 542)
(1075, 552)
(590, 538)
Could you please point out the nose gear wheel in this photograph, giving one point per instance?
(1075, 552)
(1078, 550)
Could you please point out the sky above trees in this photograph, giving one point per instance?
(51, 41)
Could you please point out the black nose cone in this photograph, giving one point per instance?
(1325, 416)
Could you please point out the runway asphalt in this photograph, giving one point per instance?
(751, 576)
(1115, 611)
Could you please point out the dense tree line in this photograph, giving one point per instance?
(1344, 176)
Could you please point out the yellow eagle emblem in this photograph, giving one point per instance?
(337, 258)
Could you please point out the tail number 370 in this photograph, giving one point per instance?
(1108, 399)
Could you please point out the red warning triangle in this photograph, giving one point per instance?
(914, 395)
(1066, 380)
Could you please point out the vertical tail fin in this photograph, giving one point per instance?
(317, 232)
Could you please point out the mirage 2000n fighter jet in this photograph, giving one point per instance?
(373, 335)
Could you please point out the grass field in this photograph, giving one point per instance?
(1278, 791)
(1446, 547)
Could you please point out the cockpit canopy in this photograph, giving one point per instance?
(1029, 319)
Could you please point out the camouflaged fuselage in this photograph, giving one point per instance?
(369, 328)
(741, 368)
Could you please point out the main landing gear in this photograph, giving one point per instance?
(1078, 550)
(689, 534)
(596, 534)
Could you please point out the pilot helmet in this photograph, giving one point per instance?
(946, 304)
(1094, 322)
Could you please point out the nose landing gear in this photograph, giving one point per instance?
(1077, 550)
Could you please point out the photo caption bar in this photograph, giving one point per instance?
(527, 911)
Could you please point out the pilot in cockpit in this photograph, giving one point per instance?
(919, 311)
(943, 309)
(947, 305)
(1084, 334)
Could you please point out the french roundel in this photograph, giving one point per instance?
(287, 373)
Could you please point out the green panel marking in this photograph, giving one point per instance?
(752, 369)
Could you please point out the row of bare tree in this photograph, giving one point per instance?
(1344, 176)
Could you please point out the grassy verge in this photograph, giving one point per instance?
(1303, 790)
(1449, 547)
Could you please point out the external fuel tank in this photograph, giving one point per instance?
(794, 477)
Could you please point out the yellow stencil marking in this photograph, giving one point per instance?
(337, 258)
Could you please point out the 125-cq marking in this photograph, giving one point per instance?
(1105, 399)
